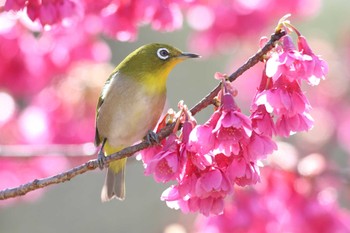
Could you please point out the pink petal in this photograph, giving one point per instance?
(170, 194)
(206, 206)
(211, 181)
(217, 206)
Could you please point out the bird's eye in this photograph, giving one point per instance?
(163, 53)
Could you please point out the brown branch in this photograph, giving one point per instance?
(129, 151)
(90, 165)
(41, 183)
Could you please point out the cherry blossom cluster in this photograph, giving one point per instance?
(280, 96)
(208, 160)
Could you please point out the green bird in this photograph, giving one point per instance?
(130, 104)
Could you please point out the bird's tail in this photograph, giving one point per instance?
(114, 186)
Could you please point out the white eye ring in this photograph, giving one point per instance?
(163, 53)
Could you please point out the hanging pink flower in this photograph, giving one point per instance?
(213, 183)
(262, 121)
(242, 171)
(232, 128)
(206, 206)
(289, 62)
(296, 64)
(166, 161)
(289, 106)
(165, 165)
(203, 192)
(201, 139)
(287, 125)
(260, 146)
(318, 68)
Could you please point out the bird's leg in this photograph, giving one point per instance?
(152, 138)
(100, 156)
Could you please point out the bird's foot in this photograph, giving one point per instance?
(152, 138)
(101, 159)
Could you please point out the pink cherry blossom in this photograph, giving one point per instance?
(242, 171)
(287, 125)
(206, 206)
(197, 150)
(289, 106)
(213, 183)
(260, 146)
(301, 64)
(203, 193)
(201, 143)
(166, 161)
(232, 127)
(198, 160)
(148, 154)
(220, 76)
(318, 68)
(165, 165)
(262, 121)
(289, 62)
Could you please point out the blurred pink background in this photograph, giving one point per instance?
(51, 74)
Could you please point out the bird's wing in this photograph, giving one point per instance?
(98, 139)
(101, 99)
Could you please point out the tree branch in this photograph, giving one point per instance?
(129, 151)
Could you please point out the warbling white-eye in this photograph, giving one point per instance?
(130, 104)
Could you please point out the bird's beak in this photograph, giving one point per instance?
(188, 55)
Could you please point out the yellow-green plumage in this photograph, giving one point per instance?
(130, 105)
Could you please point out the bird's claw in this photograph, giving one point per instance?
(152, 138)
(101, 159)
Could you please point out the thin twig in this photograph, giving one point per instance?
(129, 151)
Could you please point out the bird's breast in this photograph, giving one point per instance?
(129, 111)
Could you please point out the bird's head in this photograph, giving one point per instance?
(155, 59)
